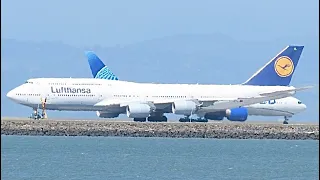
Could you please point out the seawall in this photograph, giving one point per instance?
(148, 129)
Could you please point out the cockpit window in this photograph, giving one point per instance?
(299, 102)
(29, 82)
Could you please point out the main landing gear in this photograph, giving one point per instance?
(158, 117)
(36, 115)
(188, 119)
(139, 119)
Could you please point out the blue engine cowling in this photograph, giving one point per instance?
(214, 116)
(237, 114)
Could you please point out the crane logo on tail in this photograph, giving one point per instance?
(284, 66)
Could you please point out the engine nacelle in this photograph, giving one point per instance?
(102, 114)
(214, 116)
(237, 114)
(138, 110)
(184, 107)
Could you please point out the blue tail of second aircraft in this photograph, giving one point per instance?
(278, 71)
(98, 69)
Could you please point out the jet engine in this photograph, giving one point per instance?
(103, 114)
(237, 114)
(138, 110)
(184, 107)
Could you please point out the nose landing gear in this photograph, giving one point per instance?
(35, 115)
(286, 119)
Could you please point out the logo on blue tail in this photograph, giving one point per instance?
(105, 73)
(279, 70)
(98, 69)
(284, 66)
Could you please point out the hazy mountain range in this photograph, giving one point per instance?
(209, 58)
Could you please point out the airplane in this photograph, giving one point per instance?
(286, 107)
(149, 101)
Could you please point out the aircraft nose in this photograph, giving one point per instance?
(10, 94)
(303, 106)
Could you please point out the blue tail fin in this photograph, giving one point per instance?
(278, 71)
(98, 69)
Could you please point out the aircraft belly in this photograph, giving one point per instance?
(72, 107)
(163, 108)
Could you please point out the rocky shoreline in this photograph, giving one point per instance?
(174, 130)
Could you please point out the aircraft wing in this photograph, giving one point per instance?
(212, 104)
(292, 91)
(227, 104)
(118, 102)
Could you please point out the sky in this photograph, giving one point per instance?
(110, 23)
(138, 31)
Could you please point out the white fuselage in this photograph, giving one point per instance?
(81, 94)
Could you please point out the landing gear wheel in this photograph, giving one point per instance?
(164, 119)
(199, 120)
(286, 119)
(185, 119)
(157, 119)
(35, 115)
(139, 119)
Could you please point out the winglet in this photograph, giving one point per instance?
(279, 70)
(98, 69)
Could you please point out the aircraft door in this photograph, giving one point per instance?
(100, 98)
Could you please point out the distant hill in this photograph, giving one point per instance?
(212, 58)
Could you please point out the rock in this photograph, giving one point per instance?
(153, 129)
